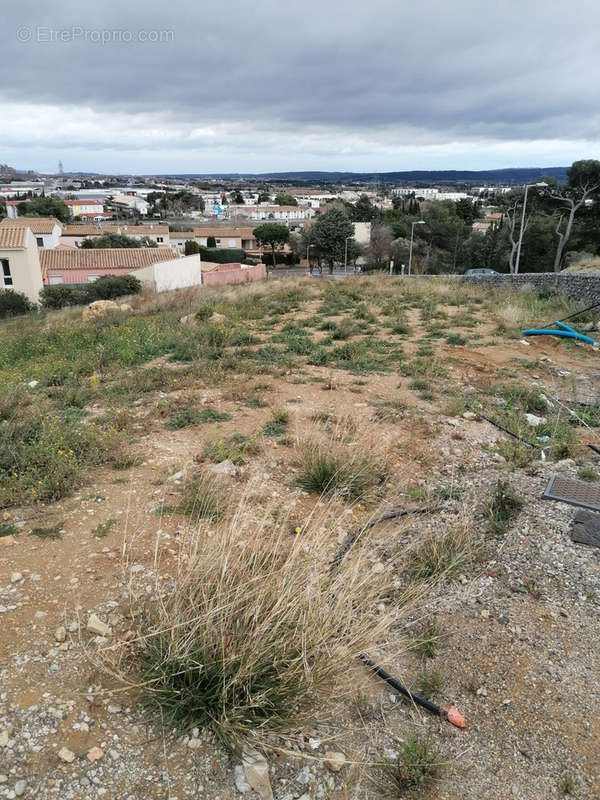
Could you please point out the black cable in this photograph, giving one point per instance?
(593, 447)
(395, 684)
(352, 537)
(510, 433)
(501, 427)
(572, 316)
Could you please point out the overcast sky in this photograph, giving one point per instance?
(272, 85)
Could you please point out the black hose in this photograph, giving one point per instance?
(593, 447)
(416, 698)
(352, 537)
(572, 316)
(510, 433)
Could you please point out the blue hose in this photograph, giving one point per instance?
(563, 330)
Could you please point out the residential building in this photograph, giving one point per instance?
(274, 213)
(178, 239)
(46, 230)
(130, 202)
(80, 266)
(74, 235)
(20, 261)
(226, 236)
(89, 208)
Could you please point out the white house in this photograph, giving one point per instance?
(19, 261)
(46, 230)
(278, 213)
(130, 202)
(79, 208)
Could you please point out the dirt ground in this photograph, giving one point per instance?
(519, 628)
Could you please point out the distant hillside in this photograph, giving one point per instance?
(512, 175)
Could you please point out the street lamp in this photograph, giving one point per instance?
(412, 233)
(528, 186)
(346, 253)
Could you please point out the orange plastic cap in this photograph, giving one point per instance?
(455, 717)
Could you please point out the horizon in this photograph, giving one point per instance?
(271, 175)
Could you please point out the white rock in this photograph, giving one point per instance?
(224, 468)
(3, 738)
(113, 709)
(16, 577)
(95, 625)
(378, 567)
(60, 634)
(3, 778)
(240, 781)
(95, 754)
(66, 755)
(177, 476)
(256, 772)
(20, 785)
(534, 421)
(194, 744)
(33, 384)
(334, 760)
(314, 744)
(469, 415)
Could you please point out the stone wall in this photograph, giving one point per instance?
(581, 286)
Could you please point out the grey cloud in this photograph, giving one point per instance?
(445, 70)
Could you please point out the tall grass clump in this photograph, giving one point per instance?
(444, 555)
(204, 497)
(338, 470)
(254, 636)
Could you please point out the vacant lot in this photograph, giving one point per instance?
(185, 476)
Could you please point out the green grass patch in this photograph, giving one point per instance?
(187, 417)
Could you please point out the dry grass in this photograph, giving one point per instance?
(336, 468)
(442, 556)
(255, 635)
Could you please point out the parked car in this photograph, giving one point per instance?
(484, 271)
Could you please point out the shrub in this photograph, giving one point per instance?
(14, 303)
(254, 636)
(111, 286)
(418, 767)
(236, 448)
(60, 296)
(218, 255)
(191, 247)
(328, 470)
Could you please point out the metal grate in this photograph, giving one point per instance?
(586, 528)
(576, 493)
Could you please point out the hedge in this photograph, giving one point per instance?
(106, 288)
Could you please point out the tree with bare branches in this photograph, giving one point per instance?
(583, 184)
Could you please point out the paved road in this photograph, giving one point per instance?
(299, 273)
